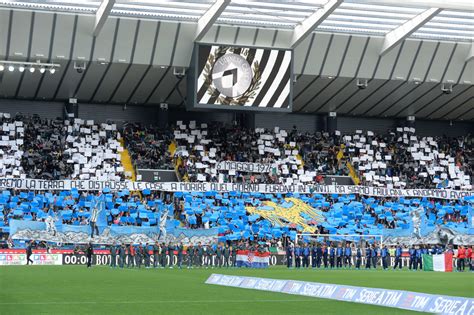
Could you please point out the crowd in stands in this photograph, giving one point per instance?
(44, 145)
(73, 207)
(74, 148)
(237, 214)
(11, 146)
(403, 160)
(202, 148)
(397, 159)
(94, 150)
(294, 157)
(148, 146)
(342, 214)
(32, 147)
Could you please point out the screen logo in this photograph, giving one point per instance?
(232, 75)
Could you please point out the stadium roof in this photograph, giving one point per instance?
(416, 58)
(453, 21)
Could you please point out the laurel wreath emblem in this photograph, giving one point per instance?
(250, 93)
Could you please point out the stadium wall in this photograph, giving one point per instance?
(305, 123)
(43, 109)
(98, 112)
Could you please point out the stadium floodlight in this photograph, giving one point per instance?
(79, 66)
(447, 88)
(362, 83)
(23, 65)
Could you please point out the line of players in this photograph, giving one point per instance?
(155, 255)
(336, 255)
(332, 255)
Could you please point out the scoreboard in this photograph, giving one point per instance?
(232, 77)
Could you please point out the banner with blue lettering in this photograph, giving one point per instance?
(422, 302)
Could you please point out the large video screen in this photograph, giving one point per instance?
(243, 77)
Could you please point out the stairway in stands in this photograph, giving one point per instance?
(177, 162)
(127, 161)
(352, 171)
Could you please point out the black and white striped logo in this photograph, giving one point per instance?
(251, 77)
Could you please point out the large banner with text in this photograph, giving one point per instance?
(414, 301)
(245, 167)
(91, 185)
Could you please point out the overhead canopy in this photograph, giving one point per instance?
(370, 17)
(138, 45)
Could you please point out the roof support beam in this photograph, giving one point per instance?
(302, 30)
(102, 14)
(470, 54)
(206, 21)
(458, 5)
(394, 37)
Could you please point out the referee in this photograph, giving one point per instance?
(29, 251)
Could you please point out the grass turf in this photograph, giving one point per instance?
(101, 290)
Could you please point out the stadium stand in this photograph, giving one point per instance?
(80, 149)
(94, 150)
(238, 214)
(44, 145)
(398, 158)
(402, 159)
(148, 146)
(11, 146)
(204, 148)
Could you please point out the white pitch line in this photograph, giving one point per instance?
(155, 302)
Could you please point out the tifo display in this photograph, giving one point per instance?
(413, 191)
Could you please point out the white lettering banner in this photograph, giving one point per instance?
(244, 167)
(91, 185)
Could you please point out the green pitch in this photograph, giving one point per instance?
(101, 290)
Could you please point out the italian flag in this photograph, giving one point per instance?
(443, 262)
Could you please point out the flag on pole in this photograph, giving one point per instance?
(443, 262)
